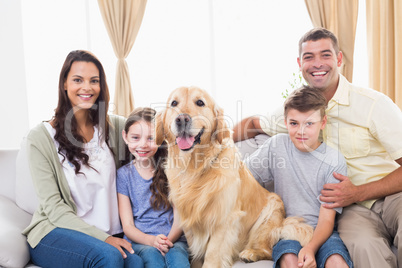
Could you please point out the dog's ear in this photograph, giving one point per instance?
(159, 129)
(222, 131)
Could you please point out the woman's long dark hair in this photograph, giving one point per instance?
(67, 134)
(159, 186)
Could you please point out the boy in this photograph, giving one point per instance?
(300, 164)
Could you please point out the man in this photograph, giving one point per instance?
(365, 126)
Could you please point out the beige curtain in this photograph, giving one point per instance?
(122, 19)
(340, 17)
(384, 37)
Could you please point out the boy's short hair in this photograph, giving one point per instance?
(316, 34)
(305, 99)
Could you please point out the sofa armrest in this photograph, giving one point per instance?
(13, 245)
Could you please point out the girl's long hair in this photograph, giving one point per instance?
(159, 186)
(67, 134)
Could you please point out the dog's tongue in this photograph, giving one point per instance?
(185, 142)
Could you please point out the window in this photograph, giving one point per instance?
(242, 52)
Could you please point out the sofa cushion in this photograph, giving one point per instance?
(247, 147)
(258, 264)
(25, 195)
(13, 245)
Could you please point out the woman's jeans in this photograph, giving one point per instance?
(176, 257)
(69, 248)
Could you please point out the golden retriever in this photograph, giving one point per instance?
(224, 212)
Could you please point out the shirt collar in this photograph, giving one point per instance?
(342, 92)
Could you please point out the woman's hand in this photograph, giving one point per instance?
(162, 243)
(120, 243)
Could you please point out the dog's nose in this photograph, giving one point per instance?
(183, 119)
(183, 123)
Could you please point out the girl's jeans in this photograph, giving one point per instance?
(176, 257)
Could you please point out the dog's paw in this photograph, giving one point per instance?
(248, 255)
(253, 255)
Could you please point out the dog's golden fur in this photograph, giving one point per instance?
(224, 212)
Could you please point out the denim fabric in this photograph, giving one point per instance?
(69, 248)
(333, 245)
(283, 247)
(176, 257)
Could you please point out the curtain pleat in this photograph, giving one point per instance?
(122, 19)
(384, 38)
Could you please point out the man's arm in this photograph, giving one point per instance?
(247, 128)
(345, 192)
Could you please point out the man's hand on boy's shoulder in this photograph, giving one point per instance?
(340, 194)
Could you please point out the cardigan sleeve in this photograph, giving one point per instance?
(56, 206)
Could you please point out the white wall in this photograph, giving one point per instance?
(13, 98)
(360, 56)
(51, 29)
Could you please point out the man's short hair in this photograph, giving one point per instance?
(318, 34)
(305, 99)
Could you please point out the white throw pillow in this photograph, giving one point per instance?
(248, 147)
(13, 245)
(25, 195)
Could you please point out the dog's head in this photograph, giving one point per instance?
(191, 119)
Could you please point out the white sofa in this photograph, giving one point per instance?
(18, 201)
(13, 219)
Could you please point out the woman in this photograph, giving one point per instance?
(73, 160)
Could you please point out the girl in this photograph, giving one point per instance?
(73, 168)
(145, 212)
